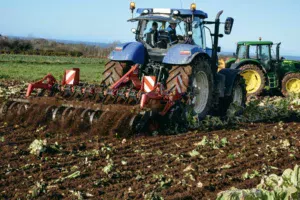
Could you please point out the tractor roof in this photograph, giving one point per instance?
(255, 43)
(182, 12)
(166, 18)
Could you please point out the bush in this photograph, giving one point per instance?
(51, 48)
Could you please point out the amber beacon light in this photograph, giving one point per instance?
(132, 6)
(193, 6)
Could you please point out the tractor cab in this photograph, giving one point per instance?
(187, 29)
(160, 29)
(257, 50)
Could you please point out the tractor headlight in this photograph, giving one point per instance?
(146, 11)
(175, 12)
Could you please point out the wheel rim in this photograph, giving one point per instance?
(201, 92)
(252, 79)
(293, 86)
(238, 95)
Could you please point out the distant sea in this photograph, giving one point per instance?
(292, 57)
(286, 57)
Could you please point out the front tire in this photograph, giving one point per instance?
(291, 84)
(254, 78)
(238, 96)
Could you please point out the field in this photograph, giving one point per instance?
(174, 167)
(45, 162)
(28, 68)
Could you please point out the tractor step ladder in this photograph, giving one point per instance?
(273, 80)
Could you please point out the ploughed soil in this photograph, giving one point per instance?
(88, 164)
(99, 164)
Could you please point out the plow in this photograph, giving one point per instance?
(158, 83)
(79, 102)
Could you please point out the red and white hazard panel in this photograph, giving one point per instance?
(149, 83)
(70, 77)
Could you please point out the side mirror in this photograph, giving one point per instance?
(228, 25)
(219, 49)
(133, 30)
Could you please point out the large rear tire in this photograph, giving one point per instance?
(291, 84)
(114, 70)
(254, 78)
(197, 81)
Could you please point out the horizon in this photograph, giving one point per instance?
(227, 52)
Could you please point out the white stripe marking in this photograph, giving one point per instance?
(180, 80)
(69, 74)
(178, 88)
(147, 89)
(150, 80)
(111, 80)
(162, 10)
(71, 82)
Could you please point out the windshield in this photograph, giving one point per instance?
(162, 26)
(163, 32)
(261, 52)
(242, 52)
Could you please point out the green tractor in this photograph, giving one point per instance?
(262, 71)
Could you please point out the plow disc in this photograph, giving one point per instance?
(106, 119)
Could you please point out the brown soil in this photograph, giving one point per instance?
(142, 165)
(114, 119)
(112, 167)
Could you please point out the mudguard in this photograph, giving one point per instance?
(131, 51)
(182, 54)
(230, 77)
(246, 61)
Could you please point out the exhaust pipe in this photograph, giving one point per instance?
(216, 43)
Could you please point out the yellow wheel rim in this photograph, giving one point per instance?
(252, 79)
(293, 85)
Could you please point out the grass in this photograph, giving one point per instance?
(29, 68)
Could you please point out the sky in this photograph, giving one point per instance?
(106, 20)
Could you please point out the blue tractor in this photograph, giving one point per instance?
(171, 48)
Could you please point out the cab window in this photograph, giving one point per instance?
(197, 32)
(253, 51)
(242, 52)
(264, 52)
(148, 28)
